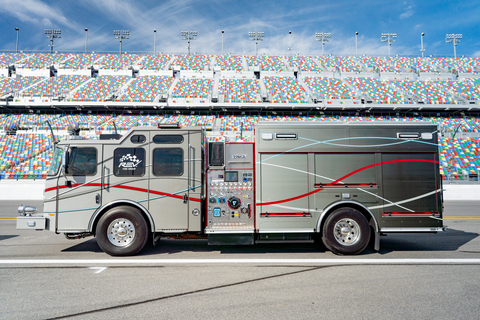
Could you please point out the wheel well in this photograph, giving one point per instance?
(105, 209)
(359, 208)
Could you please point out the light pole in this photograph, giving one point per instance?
(289, 47)
(389, 38)
(86, 39)
(256, 36)
(154, 41)
(52, 34)
(421, 41)
(189, 36)
(322, 36)
(356, 34)
(16, 50)
(121, 34)
(454, 38)
(222, 41)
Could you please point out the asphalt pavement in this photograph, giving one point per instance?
(413, 276)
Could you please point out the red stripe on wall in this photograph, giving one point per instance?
(344, 177)
(176, 196)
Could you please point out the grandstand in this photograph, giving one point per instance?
(230, 93)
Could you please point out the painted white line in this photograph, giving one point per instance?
(240, 261)
(97, 269)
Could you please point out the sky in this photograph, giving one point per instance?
(276, 18)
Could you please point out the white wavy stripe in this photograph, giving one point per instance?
(404, 208)
(295, 208)
(327, 178)
(405, 201)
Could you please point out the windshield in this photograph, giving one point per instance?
(56, 162)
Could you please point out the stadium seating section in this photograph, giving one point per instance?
(293, 79)
(240, 90)
(194, 62)
(27, 155)
(378, 90)
(55, 86)
(100, 88)
(230, 63)
(146, 88)
(193, 88)
(285, 90)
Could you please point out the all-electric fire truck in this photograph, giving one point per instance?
(344, 183)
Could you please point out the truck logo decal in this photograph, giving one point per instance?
(239, 156)
(129, 162)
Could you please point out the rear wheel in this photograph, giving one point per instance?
(122, 231)
(346, 231)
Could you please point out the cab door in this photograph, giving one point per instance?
(79, 188)
(175, 181)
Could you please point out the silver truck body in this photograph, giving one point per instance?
(341, 182)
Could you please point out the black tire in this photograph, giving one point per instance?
(122, 231)
(346, 232)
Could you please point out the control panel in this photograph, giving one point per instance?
(230, 199)
(230, 189)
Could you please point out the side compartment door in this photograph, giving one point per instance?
(125, 169)
(195, 174)
(283, 202)
(79, 190)
(170, 180)
(410, 190)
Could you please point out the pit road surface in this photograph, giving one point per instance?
(413, 276)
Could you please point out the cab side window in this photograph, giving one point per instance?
(168, 162)
(82, 161)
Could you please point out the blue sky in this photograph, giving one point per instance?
(408, 19)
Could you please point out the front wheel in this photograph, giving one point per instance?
(346, 232)
(122, 231)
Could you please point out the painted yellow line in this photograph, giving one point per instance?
(8, 218)
(462, 217)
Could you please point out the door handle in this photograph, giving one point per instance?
(185, 198)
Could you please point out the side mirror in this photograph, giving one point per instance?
(66, 160)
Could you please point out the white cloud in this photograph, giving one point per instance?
(408, 13)
(35, 11)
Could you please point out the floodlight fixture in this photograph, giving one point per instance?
(52, 34)
(323, 37)
(189, 36)
(389, 38)
(356, 34)
(256, 36)
(16, 48)
(421, 42)
(121, 35)
(86, 39)
(454, 38)
(222, 40)
(154, 41)
(289, 46)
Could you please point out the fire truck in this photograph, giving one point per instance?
(344, 184)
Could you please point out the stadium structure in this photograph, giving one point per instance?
(97, 93)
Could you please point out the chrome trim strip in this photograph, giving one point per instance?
(432, 229)
(213, 231)
(304, 230)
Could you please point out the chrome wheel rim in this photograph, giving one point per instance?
(346, 232)
(121, 232)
